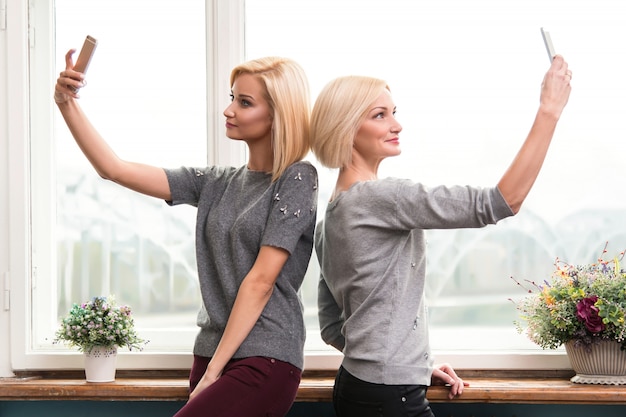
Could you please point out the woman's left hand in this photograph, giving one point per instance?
(443, 374)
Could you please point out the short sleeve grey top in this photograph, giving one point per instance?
(239, 211)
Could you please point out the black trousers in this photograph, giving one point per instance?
(353, 397)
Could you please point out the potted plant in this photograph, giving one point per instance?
(97, 328)
(584, 308)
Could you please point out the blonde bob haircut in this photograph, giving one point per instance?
(338, 112)
(287, 92)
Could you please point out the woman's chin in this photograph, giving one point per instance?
(233, 137)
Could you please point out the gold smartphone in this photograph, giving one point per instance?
(84, 58)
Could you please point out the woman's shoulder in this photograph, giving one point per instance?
(302, 166)
(382, 185)
(211, 178)
(211, 171)
(365, 193)
(383, 191)
(299, 171)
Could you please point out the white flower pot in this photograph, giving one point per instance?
(604, 364)
(100, 364)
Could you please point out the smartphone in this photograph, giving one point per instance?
(548, 42)
(84, 58)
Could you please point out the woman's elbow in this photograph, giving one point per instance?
(515, 208)
(513, 200)
(263, 288)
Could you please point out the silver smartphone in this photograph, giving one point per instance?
(548, 42)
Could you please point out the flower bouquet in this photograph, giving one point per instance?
(99, 323)
(582, 304)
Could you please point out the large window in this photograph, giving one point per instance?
(465, 76)
(146, 94)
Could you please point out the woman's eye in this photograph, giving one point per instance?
(242, 101)
(379, 115)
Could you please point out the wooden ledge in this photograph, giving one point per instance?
(532, 391)
(314, 388)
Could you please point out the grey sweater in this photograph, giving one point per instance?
(238, 212)
(370, 247)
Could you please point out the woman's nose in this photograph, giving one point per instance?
(228, 111)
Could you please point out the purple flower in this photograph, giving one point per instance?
(587, 312)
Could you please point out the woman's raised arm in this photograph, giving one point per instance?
(519, 178)
(146, 179)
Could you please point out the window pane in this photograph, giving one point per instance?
(465, 76)
(146, 94)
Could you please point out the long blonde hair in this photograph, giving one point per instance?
(287, 92)
(337, 115)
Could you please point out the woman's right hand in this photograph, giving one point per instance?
(69, 81)
(206, 381)
(555, 89)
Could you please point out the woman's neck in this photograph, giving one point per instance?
(350, 175)
(261, 157)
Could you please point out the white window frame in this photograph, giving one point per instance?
(224, 40)
(225, 48)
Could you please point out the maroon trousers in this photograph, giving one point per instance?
(248, 387)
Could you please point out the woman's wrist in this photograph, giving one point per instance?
(60, 98)
(550, 112)
(212, 373)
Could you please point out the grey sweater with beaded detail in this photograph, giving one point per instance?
(371, 251)
(239, 211)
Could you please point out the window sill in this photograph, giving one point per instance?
(545, 387)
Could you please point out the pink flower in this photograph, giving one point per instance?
(587, 312)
